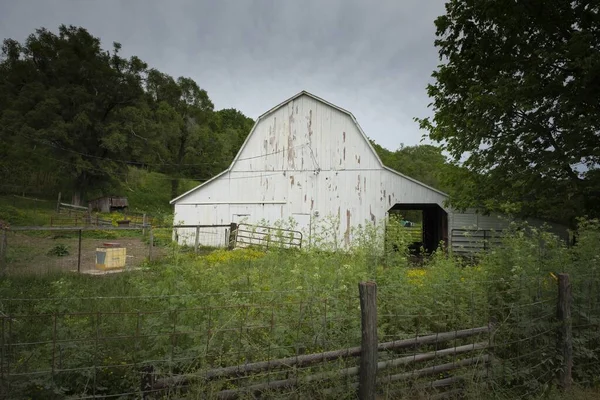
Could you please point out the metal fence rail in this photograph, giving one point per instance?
(265, 236)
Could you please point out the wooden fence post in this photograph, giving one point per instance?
(565, 334)
(144, 223)
(147, 381)
(151, 244)
(88, 217)
(485, 244)
(232, 233)
(58, 203)
(197, 240)
(79, 254)
(368, 352)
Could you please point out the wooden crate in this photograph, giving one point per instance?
(110, 257)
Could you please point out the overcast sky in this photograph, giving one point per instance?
(373, 58)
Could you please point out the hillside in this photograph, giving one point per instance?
(147, 192)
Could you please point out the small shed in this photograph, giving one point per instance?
(108, 204)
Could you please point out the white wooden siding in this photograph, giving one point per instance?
(306, 135)
(309, 160)
(306, 159)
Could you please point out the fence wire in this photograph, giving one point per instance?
(133, 346)
(49, 249)
(104, 353)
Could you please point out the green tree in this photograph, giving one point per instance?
(233, 127)
(183, 112)
(69, 104)
(197, 142)
(517, 96)
(425, 163)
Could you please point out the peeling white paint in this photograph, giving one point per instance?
(305, 156)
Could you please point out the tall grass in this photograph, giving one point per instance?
(151, 191)
(307, 299)
(17, 210)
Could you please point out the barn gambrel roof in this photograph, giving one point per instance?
(282, 104)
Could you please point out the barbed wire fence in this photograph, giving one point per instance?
(298, 343)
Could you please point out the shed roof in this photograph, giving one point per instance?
(319, 99)
(109, 197)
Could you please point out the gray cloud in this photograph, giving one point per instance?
(373, 58)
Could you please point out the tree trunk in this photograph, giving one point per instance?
(80, 189)
(76, 199)
(174, 187)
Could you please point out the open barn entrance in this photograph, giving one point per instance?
(429, 223)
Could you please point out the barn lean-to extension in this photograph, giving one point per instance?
(308, 159)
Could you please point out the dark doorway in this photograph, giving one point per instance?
(433, 220)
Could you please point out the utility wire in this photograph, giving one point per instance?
(262, 174)
(51, 144)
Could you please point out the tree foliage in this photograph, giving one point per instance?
(517, 96)
(85, 114)
(62, 92)
(425, 163)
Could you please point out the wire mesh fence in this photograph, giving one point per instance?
(585, 314)
(47, 249)
(298, 343)
(197, 236)
(41, 250)
(103, 353)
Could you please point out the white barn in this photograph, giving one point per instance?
(308, 159)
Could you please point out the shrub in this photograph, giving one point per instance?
(60, 250)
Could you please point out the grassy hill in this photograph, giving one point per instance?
(151, 191)
(148, 192)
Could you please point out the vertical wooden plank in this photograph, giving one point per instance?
(58, 203)
(151, 245)
(144, 223)
(79, 253)
(197, 240)
(565, 334)
(368, 351)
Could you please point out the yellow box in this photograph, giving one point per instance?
(110, 257)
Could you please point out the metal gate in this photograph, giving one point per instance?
(246, 235)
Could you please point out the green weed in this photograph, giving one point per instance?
(230, 307)
(60, 250)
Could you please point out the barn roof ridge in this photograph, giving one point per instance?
(317, 98)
